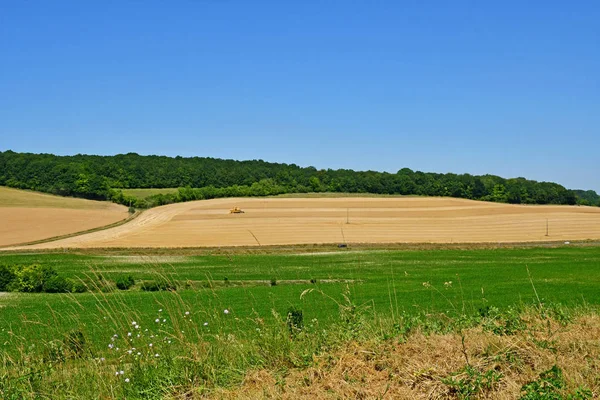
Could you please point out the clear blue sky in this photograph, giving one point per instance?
(506, 87)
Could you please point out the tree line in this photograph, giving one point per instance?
(102, 177)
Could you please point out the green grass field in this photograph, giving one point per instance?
(392, 282)
(386, 285)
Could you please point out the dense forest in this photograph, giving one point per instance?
(101, 177)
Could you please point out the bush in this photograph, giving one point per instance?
(37, 279)
(32, 278)
(56, 284)
(156, 286)
(124, 282)
(7, 276)
(273, 282)
(78, 286)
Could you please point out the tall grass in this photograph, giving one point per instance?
(184, 349)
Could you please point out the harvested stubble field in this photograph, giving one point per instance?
(31, 216)
(283, 221)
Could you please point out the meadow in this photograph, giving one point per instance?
(450, 281)
(226, 296)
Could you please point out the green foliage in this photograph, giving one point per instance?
(57, 284)
(506, 323)
(35, 278)
(551, 386)
(587, 198)
(103, 177)
(78, 286)
(158, 285)
(471, 382)
(547, 387)
(273, 282)
(295, 320)
(75, 343)
(124, 282)
(7, 275)
(265, 329)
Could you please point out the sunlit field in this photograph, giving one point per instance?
(212, 298)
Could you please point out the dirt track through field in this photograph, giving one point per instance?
(280, 221)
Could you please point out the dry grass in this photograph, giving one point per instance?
(285, 221)
(415, 369)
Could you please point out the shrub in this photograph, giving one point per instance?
(124, 282)
(7, 275)
(32, 278)
(273, 282)
(156, 286)
(56, 284)
(78, 286)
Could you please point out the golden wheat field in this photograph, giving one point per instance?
(282, 221)
(30, 216)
